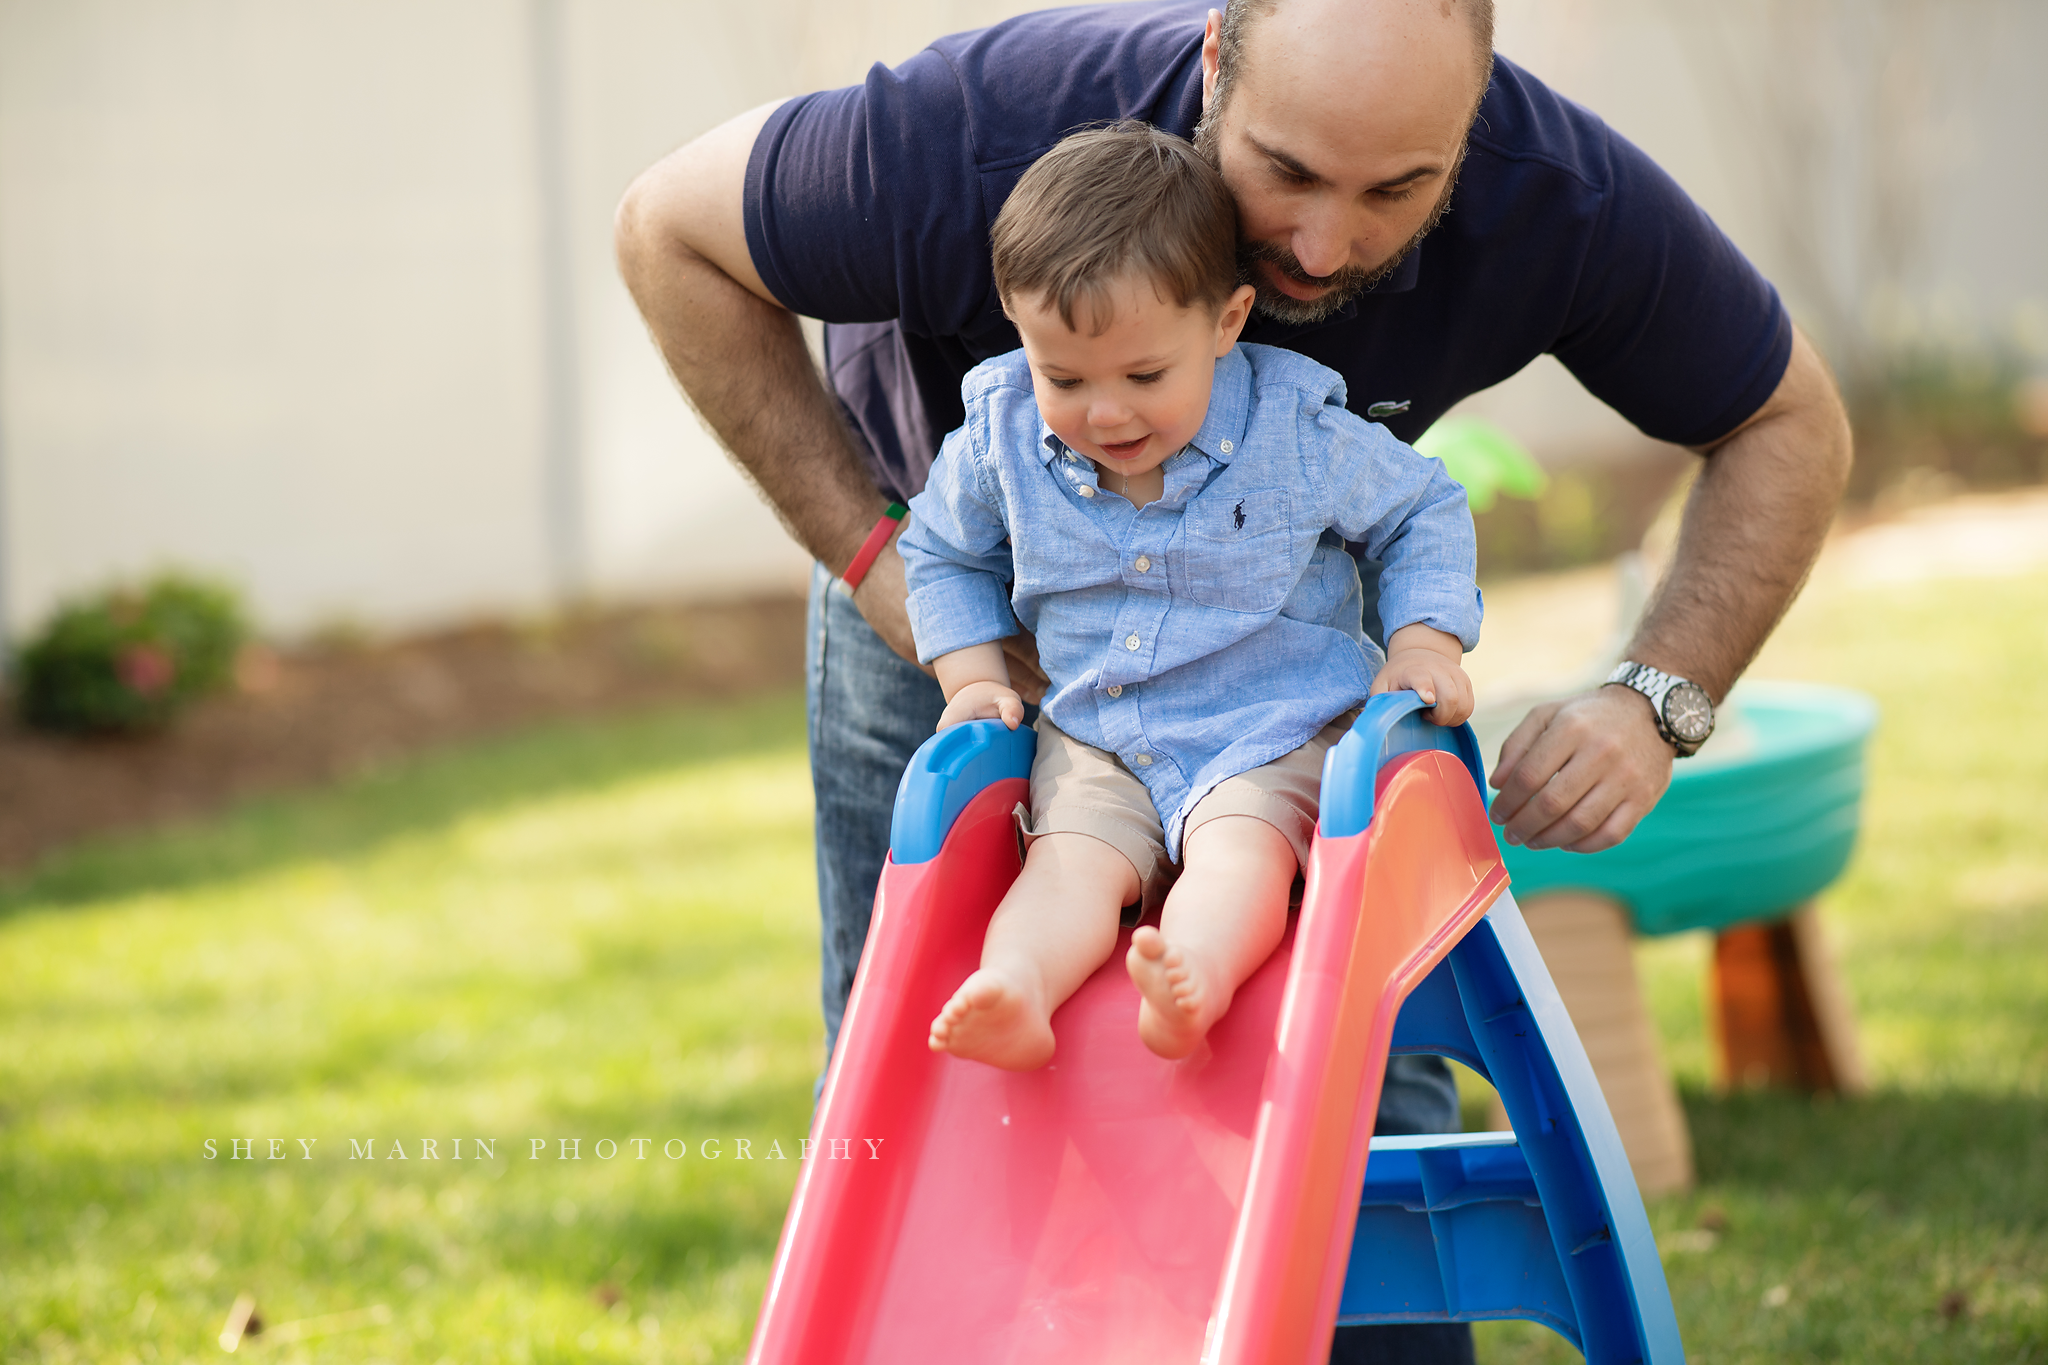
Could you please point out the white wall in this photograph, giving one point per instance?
(272, 291)
(664, 507)
(251, 315)
(274, 279)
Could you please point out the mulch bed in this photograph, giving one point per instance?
(305, 716)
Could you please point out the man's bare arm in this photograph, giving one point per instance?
(740, 358)
(1579, 774)
(738, 354)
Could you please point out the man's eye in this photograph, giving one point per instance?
(1293, 178)
(1149, 377)
(1395, 196)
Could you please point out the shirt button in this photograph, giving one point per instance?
(1116, 689)
(1142, 760)
(1132, 642)
(1085, 490)
(1143, 565)
(1227, 447)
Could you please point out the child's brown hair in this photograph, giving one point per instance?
(1123, 200)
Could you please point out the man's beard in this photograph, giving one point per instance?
(1342, 287)
(1339, 288)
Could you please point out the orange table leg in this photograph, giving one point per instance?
(1781, 1017)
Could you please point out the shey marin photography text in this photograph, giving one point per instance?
(727, 1148)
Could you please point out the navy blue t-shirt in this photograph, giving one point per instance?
(870, 208)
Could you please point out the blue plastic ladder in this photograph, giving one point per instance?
(1543, 1223)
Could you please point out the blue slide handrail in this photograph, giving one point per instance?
(949, 770)
(1390, 725)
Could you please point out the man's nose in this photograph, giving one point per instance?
(1322, 243)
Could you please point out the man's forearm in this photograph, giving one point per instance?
(1579, 773)
(738, 355)
(744, 366)
(1752, 529)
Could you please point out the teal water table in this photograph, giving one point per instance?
(1752, 829)
(1759, 822)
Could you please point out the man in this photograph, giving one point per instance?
(1415, 214)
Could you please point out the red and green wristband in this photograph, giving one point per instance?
(871, 548)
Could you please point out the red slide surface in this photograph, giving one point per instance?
(1114, 1207)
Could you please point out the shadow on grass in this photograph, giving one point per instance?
(1900, 1226)
(418, 794)
(1946, 1155)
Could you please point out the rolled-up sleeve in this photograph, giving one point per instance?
(1412, 516)
(956, 556)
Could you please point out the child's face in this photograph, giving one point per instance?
(1135, 394)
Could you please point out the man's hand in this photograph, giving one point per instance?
(1428, 662)
(881, 598)
(1578, 774)
(1020, 652)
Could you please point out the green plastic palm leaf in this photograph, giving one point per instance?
(1485, 459)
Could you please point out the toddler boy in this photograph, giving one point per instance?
(1165, 510)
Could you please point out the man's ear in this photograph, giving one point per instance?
(1237, 311)
(1212, 43)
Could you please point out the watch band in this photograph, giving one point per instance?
(1657, 686)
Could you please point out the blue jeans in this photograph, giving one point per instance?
(869, 710)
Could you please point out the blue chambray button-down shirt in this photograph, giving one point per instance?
(1217, 628)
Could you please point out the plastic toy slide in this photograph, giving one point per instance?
(1115, 1207)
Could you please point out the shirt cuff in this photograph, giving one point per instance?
(957, 612)
(1448, 602)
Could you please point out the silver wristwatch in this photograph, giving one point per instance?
(1684, 711)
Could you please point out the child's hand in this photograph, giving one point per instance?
(984, 701)
(1425, 661)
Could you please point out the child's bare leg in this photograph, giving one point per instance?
(1224, 917)
(1056, 925)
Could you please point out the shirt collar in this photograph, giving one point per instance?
(1230, 408)
(1405, 274)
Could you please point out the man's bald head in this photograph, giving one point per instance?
(1241, 17)
(1339, 126)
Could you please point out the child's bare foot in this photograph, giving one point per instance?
(1179, 1003)
(991, 1019)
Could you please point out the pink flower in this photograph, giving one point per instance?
(146, 669)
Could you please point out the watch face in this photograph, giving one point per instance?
(1689, 713)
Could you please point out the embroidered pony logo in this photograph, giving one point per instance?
(1237, 515)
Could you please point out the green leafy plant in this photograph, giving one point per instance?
(131, 658)
(1485, 459)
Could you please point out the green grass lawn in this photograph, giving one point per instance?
(595, 932)
(606, 932)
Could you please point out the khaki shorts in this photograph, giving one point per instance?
(1079, 789)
